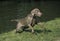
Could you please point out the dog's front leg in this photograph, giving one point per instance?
(31, 28)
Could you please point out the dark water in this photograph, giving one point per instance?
(13, 10)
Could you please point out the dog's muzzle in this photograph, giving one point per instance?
(39, 14)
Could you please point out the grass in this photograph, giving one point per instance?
(51, 23)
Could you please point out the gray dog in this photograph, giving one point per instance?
(28, 20)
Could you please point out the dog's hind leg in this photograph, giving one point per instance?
(19, 28)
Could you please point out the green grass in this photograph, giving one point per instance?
(52, 25)
(50, 21)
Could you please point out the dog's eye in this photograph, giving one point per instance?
(37, 11)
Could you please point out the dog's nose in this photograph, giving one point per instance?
(39, 14)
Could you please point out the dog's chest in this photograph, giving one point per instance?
(29, 20)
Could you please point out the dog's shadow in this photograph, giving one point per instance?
(39, 31)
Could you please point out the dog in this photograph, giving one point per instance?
(29, 20)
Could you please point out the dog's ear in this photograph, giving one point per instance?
(33, 12)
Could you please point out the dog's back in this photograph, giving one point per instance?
(24, 21)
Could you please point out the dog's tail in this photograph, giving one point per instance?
(15, 20)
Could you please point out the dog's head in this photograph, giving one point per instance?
(36, 12)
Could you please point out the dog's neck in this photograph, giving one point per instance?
(30, 17)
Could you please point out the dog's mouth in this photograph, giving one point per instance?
(39, 14)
